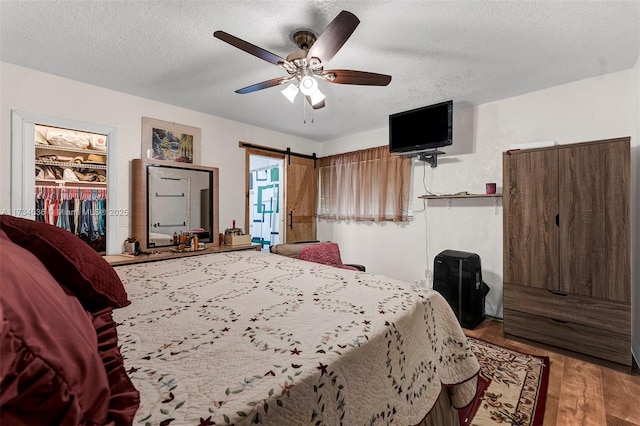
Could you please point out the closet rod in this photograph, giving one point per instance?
(92, 188)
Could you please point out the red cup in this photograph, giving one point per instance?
(491, 188)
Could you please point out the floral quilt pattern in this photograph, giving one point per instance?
(255, 338)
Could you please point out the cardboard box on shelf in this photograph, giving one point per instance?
(237, 240)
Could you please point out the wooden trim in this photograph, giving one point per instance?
(276, 150)
(263, 153)
(247, 171)
(569, 145)
(139, 202)
(22, 196)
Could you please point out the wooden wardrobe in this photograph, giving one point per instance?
(567, 266)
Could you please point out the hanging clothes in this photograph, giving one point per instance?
(79, 210)
(102, 218)
(86, 224)
(78, 214)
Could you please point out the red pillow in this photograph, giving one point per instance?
(70, 260)
(50, 371)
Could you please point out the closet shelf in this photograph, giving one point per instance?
(62, 182)
(76, 165)
(71, 149)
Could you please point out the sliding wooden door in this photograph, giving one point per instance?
(301, 196)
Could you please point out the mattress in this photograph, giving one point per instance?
(251, 337)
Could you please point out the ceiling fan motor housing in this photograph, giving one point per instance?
(304, 39)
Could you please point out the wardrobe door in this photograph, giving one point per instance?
(594, 220)
(530, 207)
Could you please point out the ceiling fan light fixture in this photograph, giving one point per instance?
(290, 92)
(308, 85)
(317, 97)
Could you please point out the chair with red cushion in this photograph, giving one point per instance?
(327, 253)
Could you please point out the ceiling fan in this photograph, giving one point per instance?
(305, 66)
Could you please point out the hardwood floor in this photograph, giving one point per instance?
(580, 393)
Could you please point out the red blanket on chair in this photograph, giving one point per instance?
(326, 253)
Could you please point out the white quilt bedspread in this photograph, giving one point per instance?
(249, 337)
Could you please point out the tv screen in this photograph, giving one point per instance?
(421, 129)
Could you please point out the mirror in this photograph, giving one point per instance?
(177, 198)
(179, 201)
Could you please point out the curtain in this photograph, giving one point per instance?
(366, 185)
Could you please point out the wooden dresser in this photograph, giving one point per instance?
(567, 256)
(118, 259)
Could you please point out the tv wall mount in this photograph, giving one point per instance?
(430, 157)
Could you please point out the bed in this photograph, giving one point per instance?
(255, 338)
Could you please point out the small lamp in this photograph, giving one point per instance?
(317, 97)
(308, 85)
(290, 92)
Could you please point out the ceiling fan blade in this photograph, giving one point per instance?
(249, 48)
(334, 36)
(263, 85)
(363, 78)
(319, 105)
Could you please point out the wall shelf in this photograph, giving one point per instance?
(435, 197)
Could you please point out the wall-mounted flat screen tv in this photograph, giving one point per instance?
(421, 129)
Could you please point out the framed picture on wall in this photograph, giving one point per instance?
(170, 142)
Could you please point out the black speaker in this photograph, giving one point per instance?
(457, 276)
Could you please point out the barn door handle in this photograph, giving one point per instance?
(558, 219)
(291, 219)
(557, 293)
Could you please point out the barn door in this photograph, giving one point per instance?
(301, 198)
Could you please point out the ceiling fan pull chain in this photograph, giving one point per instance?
(304, 112)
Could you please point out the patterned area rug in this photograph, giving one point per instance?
(518, 390)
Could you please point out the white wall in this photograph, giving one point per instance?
(597, 108)
(32, 91)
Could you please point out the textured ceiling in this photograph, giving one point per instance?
(472, 52)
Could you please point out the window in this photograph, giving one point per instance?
(366, 185)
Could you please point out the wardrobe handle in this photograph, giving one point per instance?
(558, 219)
(557, 293)
(291, 219)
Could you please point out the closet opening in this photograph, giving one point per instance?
(61, 175)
